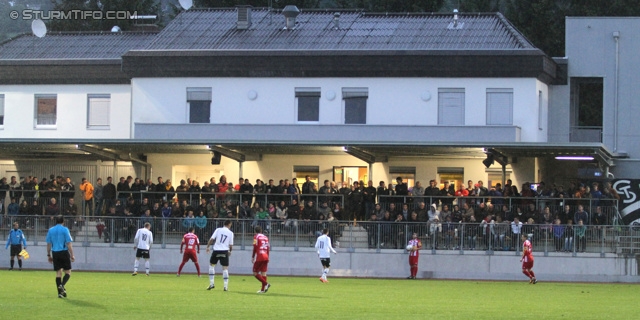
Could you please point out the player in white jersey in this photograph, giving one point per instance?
(323, 245)
(222, 240)
(143, 242)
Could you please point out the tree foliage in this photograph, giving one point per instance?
(139, 7)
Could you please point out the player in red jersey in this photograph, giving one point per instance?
(260, 258)
(414, 253)
(527, 259)
(191, 241)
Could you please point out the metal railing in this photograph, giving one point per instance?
(435, 236)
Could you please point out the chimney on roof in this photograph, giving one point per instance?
(455, 18)
(244, 17)
(290, 13)
(336, 20)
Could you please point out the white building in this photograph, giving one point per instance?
(340, 96)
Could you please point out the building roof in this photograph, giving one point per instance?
(215, 29)
(74, 46)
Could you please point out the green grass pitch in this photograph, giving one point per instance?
(93, 295)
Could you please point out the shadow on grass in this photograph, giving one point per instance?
(275, 294)
(85, 304)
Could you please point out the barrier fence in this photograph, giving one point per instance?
(461, 237)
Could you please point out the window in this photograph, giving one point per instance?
(199, 100)
(1, 109)
(355, 105)
(499, 106)
(301, 172)
(451, 106)
(586, 109)
(98, 106)
(308, 104)
(453, 175)
(46, 110)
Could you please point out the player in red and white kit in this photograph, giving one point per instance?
(414, 253)
(527, 259)
(260, 258)
(191, 241)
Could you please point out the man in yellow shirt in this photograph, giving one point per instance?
(87, 192)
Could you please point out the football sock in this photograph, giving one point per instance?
(225, 277)
(533, 275)
(180, 268)
(324, 273)
(19, 263)
(65, 279)
(414, 271)
(262, 280)
(146, 266)
(12, 262)
(197, 268)
(136, 264)
(526, 273)
(212, 274)
(58, 281)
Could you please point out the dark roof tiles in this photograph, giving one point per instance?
(215, 29)
(77, 46)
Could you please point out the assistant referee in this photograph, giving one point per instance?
(18, 242)
(60, 253)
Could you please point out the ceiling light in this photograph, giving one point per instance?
(575, 158)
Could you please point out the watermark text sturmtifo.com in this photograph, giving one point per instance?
(29, 14)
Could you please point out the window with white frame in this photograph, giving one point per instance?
(355, 105)
(199, 100)
(1, 109)
(308, 104)
(499, 106)
(451, 106)
(98, 109)
(46, 106)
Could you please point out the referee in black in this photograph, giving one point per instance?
(18, 242)
(60, 253)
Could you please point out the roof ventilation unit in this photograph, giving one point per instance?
(336, 20)
(455, 24)
(290, 13)
(244, 17)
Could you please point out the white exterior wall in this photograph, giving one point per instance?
(71, 122)
(392, 101)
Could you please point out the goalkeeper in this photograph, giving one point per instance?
(18, 242)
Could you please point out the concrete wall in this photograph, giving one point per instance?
(19, 112)
(159, 100)
(365, 263)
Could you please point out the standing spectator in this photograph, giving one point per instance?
(448, 230)
(516, 229)
(417, 193)
(355, 202)
(18, 243)
(580, 232)
(122, 187)
(600, 221)
(87, 192)
(15, 189)
(401, 188)
(581, 215)
(143, 241)
(13, 209)
(372, 231)
(414, 254)
(432, 192)
(383, 192)
(369, 197)
(568, 236)
(558, 235)
(68, 188)
(201, 225)
(447, 193)
(434, 224)
(307, 188)
(60, 254)
(98, 196)
(109, 193)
